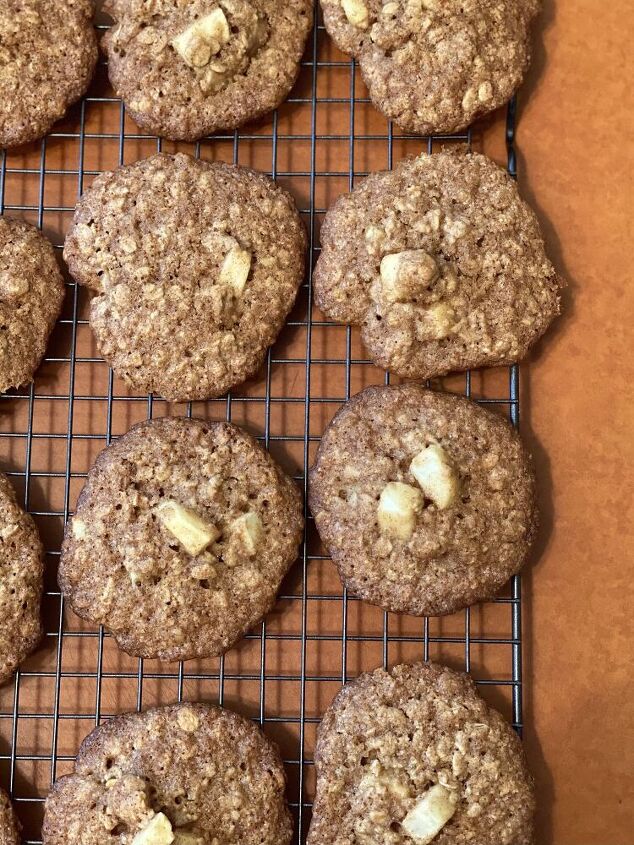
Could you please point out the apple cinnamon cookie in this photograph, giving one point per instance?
(31, 296)
(196, 267)
(181, 538)
(441, 263)
(21, 582)
(425, 501)
(415, 756)
(187, 774)
(186, 70)
(9, 825)
(48, 53)
(434, 66)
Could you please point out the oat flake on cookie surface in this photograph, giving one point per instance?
(188, 69)
(181, 538)
(424, 500)
(434, 66)
(413, 756)
(48, 53)
(196, 266)
(441, 264)
(186, 774)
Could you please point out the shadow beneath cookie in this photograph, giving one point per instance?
(544, 22)
(554, 252)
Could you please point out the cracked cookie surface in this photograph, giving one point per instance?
(441, 263)
(196, 266)
(48, 53)
(9, 825)
(434, 66)
(21, 582)
(425, 501)
(31, 296)
(390, 737)
(186, 70)
(187, 774)
(181, 538)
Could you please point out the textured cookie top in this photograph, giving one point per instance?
(9, 825)
(48, 53)
(441, 263)
(31, 295)
(181, 538)
(197, 266)
(21, 575)
(189, 69)
(433, 66)
(189, 774)
(389, 738)
(424, 500)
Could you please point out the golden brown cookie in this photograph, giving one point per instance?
(48, 53)
(189, 774)
(425, 501)
(31, 296)
(186, 70)
(181, 538)
(414, 756)
(196, 266)
(21, 582)
(434, 66)
(441, 263)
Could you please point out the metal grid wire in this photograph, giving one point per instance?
(37, 711)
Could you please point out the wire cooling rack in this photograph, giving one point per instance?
(285, 673)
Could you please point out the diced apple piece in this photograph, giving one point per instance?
(214, 27)
(357, 13)
(398, 506)
(190, 530)
(249, 529)
(437, 477)
(158, 831)
(405, 274)
(430, 814)
(235, 268)
(203, 39)
(193, 49)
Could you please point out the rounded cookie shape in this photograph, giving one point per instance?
(181, 538)
(197, 266)
(9, 824)
(415, 755)
(187, 774)
(425, 501)
(21, 582)
(48, 53)
(441, 263)
(186, 70)
(434, 66)
(31, 296)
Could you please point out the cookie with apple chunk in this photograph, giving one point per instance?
(424, 500)
(414, 756)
